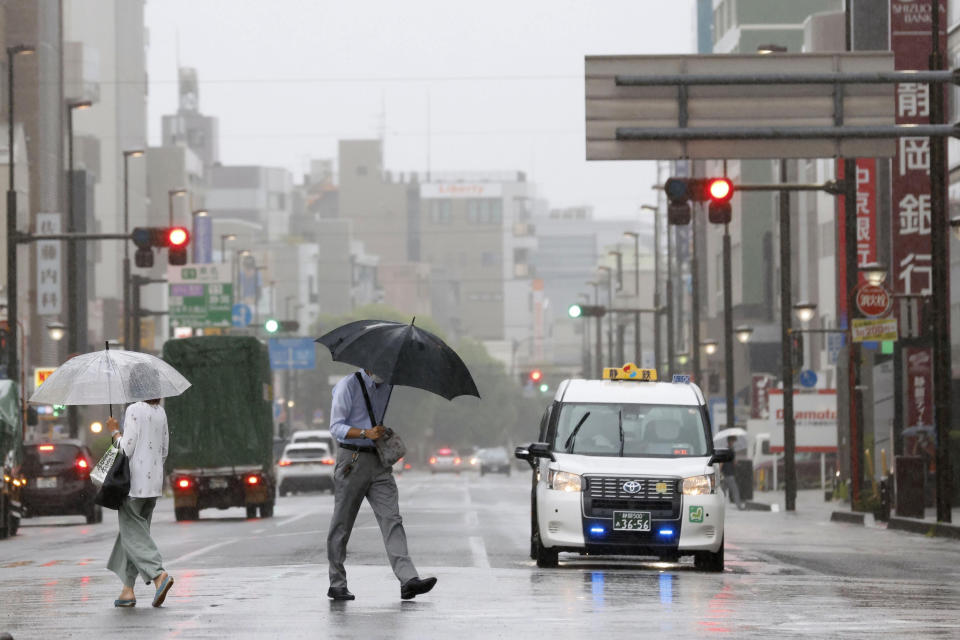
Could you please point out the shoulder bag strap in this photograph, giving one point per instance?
(366, 398)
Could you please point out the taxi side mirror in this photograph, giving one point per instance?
(721, 455)
(541, 450)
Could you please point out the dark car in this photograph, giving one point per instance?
(494, 460)
(58, 480)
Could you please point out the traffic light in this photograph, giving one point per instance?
(536, 376)
(175, 239)
(287, 326)
(682, 191)
(720, 191)
(586, 311)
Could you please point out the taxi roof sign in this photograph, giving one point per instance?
(630, 371)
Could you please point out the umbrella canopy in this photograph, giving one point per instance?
(736, 432)
(402, 354)
(112, 376)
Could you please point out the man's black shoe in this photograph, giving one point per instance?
(415, 586)
(339, 593)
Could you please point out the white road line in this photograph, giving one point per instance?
(200, 552)
(295, 518)
(479, 551)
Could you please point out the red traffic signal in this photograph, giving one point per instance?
(536, 375)
(177, 237)
(720, 189)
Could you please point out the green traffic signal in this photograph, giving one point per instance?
(544, 387)
(271, 325)
(574, 311)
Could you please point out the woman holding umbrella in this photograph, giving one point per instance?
(145, 442)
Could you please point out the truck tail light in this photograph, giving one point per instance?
(253, 480)
(184, 483)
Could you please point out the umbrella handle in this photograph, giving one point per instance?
(387, 405)
(109, 404)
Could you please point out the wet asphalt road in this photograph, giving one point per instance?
(788, 575)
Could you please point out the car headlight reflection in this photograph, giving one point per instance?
(699, 485)
(564, 481)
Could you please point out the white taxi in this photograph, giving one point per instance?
(626, 466)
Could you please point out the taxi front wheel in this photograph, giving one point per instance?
(709, 561)
(546, 558)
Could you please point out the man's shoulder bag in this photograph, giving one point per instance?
(390, 447)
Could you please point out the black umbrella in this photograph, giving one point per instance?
(402, 354)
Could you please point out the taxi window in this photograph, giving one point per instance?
(647, 430)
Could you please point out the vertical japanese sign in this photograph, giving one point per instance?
(49, 299)
(919, 401)
(910, 256)
(910, 24)
(866, 223)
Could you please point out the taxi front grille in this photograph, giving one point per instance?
(605, 494)
(627, 488)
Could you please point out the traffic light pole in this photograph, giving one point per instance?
(136, 312)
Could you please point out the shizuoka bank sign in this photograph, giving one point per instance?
(815, 417)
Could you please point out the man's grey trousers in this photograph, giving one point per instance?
(369, 479)
(135, 551)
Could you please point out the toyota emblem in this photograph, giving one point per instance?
(631, 486)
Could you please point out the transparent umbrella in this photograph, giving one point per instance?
(110, 377)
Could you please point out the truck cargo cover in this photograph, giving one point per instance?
(225, 418)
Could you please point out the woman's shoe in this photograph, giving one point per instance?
(124, 603)
(162, 591)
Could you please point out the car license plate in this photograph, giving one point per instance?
(47, 483)
(218, 483)
(631, 521)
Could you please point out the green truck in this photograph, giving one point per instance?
(11, 451)
(221, 428)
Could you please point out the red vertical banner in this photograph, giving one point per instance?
(919, 379)
(910, 40)
(866, 224)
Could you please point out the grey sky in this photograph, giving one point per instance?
(503, 80)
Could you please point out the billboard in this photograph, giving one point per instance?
(815, 417)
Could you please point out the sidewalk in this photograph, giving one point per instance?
(810, 502)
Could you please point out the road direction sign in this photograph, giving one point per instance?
(873, 300)
(201, 295)
(292, 353)
(242, 315)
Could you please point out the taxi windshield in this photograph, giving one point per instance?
(630, 430)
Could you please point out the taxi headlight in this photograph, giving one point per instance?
(564, 481)
(699, 485)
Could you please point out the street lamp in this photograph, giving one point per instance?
(130, 153)
(12, 364)
(874, 273)
(619, 254)
(709, 346)
(171, 194)
(805, 311)
(74, 300)
(955, 226)
(223, 241)
(56, 330)
(609, 271)
(195, 245)
(743, 333)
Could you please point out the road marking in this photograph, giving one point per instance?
(200, 552)
(295, 518)
(479, 551)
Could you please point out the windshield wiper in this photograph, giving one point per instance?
(620, 427)
(568, 445)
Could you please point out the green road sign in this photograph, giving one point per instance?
(201, 295)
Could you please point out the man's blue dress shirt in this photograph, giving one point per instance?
(349, 409)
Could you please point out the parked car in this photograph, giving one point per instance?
(493, 460)
(58, 481)
(445, 460)
(304, 466)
